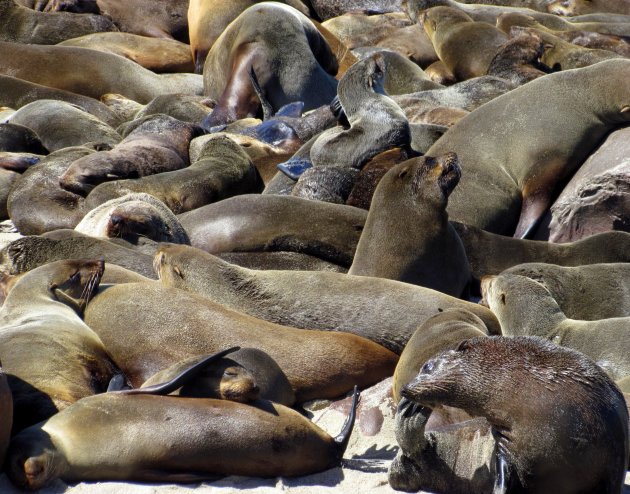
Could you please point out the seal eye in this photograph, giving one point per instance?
(428, 367)
(503, 298)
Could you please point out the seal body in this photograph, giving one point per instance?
(585, 444)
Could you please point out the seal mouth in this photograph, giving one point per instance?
(77, 290)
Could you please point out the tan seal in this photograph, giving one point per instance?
(524, 386)
(382, 310)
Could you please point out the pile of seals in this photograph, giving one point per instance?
(228, 210)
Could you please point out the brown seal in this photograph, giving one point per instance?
(71, 126)
(578, 290)
(407, 235)
(198, 439)
(51, 357)
(243, 375)
(222, 170)
(154, 144)
(517, 385)
(581, 7)
(257, 41)
(207, 19)
(515, 200)
(90, 72)
(525, 307)
(450, 30)
(441, 332)
(23, 25)
(382, 310)
(132, 216)
(274, 223)
(318, 364)
(158, 55)
(282, 260)
(29, 252)
(518, 60)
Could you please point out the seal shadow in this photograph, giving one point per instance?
(327, 478)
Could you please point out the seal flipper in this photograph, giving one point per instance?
(291, 110)
(294, 167)
(118, 382)
(161, 476)
(178, 381)
(267, 109)
(501, 480)
(344, 436)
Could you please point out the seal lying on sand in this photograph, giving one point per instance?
(196, 439)
(565, 430)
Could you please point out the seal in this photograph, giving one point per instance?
(6, 415)
(201, 439)
(16, 93)
(407, 235)
(20, 139)
(385, 311)
(132, 216)
(518, 60)
(450, 30)
(439, 333)
(184, 107)
(318, 364)
(603, 26)
(222, 170)
(249, 223)
(23, 25)
(153, 144)
(244, 375)
(256, 41)
(489, 253)
(280, 260)
(578, 290)
(71, 126)
(91, 73)
(589, 432)
(155, 54)
(376, 122)
(514, 201)
(7, 179)
(27, 253)
(525, 307)
(52, 358)
(207, 19)
(581, 7)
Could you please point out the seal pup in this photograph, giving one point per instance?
(153, 144)
(23, 25)
(250, 223)
(243, 375)
(90, 72)
(585, 444)
(52, 358)
(257, 40)
(222, 170)
(385, 311)
(60, 125)
(407, 235)
(450, 30)
(156, 54)
(27, 253)
(514, 200)
(132, 216)
(198, 439)
(524, 307)
(376, 122)
(439, 333)
(578, 290)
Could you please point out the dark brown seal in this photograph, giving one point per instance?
(6, 415)
(517, 384)
(407, 235)
(197, 439)
(51, 357)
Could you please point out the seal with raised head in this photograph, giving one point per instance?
(524, 307)
(382, 310)
(565, 430)
(318, 364)
(407, 235)
(514, 200)
(52, 358)
(132, 216)
(197, 439)
(257, 41)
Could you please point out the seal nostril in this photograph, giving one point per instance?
(116, 219)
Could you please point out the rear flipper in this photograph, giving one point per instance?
(344, 436)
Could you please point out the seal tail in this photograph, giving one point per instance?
(344, 436)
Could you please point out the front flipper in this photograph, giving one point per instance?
(501, 480)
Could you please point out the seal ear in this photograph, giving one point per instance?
(463, 346)
(403, 173)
